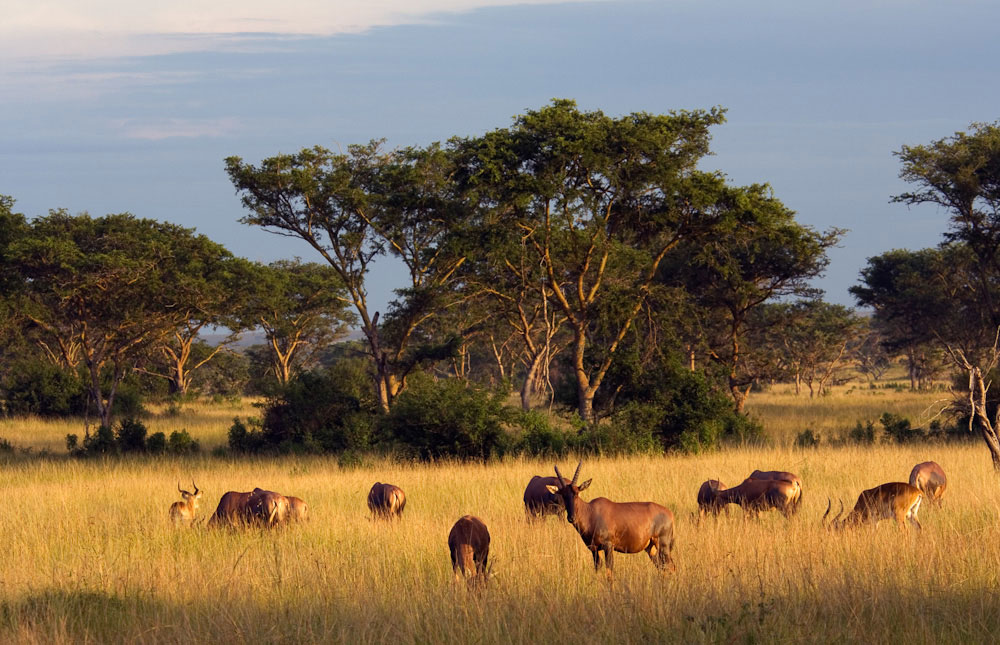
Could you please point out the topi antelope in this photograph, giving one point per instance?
(469, 544)
(780, 475)
(627, 527)
(183, 512)
(756, 495)
(706, 497)
(386, 501)
(894, 500)
(539, 501)
(262, 507)
(298, 510)
(929, 478)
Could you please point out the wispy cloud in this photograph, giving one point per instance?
(60, 29)
(159, 129)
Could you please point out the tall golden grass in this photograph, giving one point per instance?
(90, 555)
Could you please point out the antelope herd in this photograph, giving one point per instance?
(604, 526)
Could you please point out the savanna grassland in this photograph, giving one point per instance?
(91, 557)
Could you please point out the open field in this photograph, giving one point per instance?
(92, 557)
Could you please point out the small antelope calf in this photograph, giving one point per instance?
(929, 478)
(386, 501)
(894, 500)
(183, 512)
(469, 544)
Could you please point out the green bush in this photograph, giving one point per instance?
(33, 386)
(181, 443)
(898, 428)
(449, 418)
(537, 436)
(807, 439)
(131, 436)
(156, 444)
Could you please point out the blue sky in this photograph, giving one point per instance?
(121, 109)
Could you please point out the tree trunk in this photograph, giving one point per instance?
(528, 387)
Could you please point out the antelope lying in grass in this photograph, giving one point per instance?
(386, 501)
(894, 500)
(929, 478)
(607, 526)
(469, 544)
(183, 512)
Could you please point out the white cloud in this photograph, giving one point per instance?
(33, 29)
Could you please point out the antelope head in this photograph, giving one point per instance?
(569, 492)
(190, 498)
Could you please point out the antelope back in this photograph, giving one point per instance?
(469, 545)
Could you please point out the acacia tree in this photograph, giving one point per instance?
(758, 253)
(301, 308)
(815, 336)
(353, 208)
(599, 201)
(103, 289)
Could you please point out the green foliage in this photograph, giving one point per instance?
(449, 418)
(898, 429)
(807, 439)
(34, 386)
(156, 444)
(863, 433)
(131, 436)
(538, 438)
(181, 443)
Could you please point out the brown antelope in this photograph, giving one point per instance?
(386, 501)
(627, 527)
(780, 475)
(259, 506)
(929, 478)
(539, 501)
(756, 495)
(706, 497)
(469, 544)
(298, 510)
(183, 512)
(894, 500)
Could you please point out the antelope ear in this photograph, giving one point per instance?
(586, 483)
(552, 489)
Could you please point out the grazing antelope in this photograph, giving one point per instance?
(894, 500)
(183, 512)
(469, 544)
(386, 501)
(539, 501)
(298, 510)
(627, 527)
(756, 495)
(780, 475)
(256, 507)
(929, 478)
(706, 497)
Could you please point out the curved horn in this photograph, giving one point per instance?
(822, 521)
(562, 482)
(834, 522)
(576, 474)
(195, 486)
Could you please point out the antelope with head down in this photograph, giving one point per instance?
(626, 527)
(894, 500)
(754, 496)
(781, 475)
(386, 501)
(539, 501)
(260, 507)
(929, 478)
(183, 512)
(706, 497)
(469, 545)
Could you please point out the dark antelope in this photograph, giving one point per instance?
(262, 507)
(929, 478)
(894, 500)
(183, 512)
(386, 501)
(756, 495)
(469, 544)
(539, 501)
(627, 527)
(781, 475)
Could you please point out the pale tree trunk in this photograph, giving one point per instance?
(976, 404)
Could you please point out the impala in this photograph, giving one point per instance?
(539, 501)
(756, 495)
(929, 478)
(386, 501)
(627, 527)
(894, 500)
(781, 475)
(469, 544)
(183, 512)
